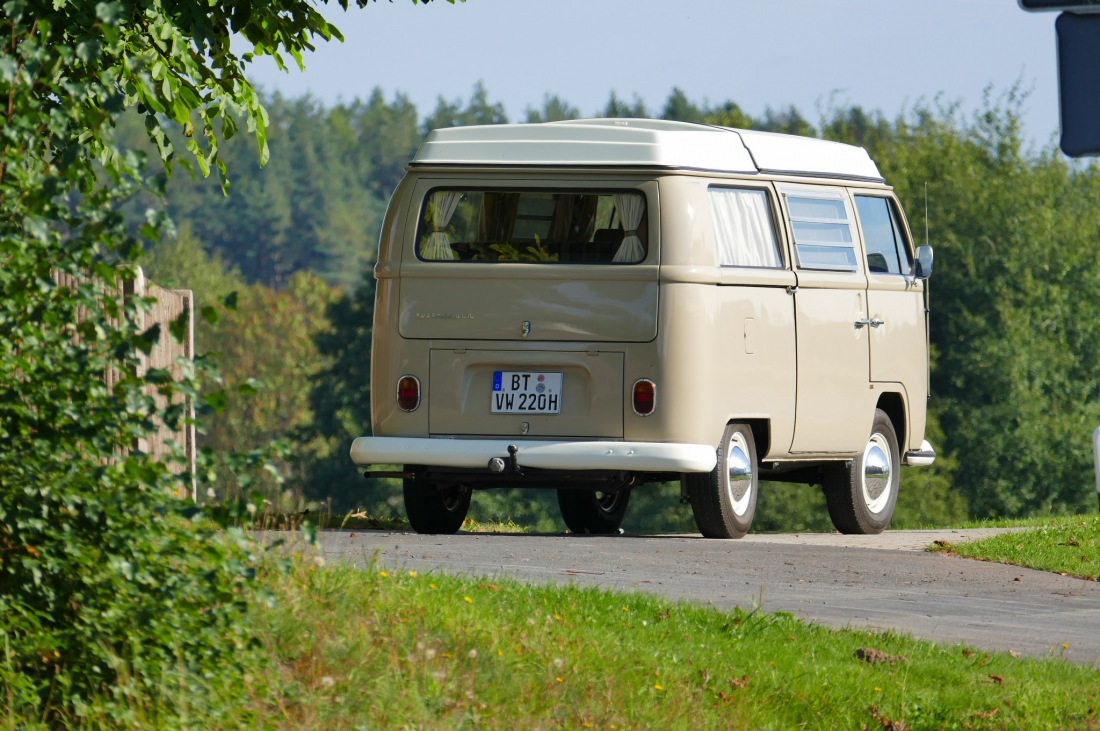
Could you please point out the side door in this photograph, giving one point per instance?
(834, 400)
(899, 343)
(755, 309)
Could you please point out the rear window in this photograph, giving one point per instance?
(540, 226)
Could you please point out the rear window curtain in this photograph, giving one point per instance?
(441, 207)
(631, 207)
(743, 228)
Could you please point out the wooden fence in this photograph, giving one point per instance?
(166, 354)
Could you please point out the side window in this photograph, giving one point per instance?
(743, 228)
(822, 232)
(886, 250)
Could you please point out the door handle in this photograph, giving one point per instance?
(873, 322)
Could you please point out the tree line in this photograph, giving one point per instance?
(1015, 337)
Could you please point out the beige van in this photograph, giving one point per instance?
(600, 304)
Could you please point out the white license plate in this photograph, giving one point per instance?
(525, 392)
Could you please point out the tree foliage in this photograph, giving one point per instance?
(1014, 294)
(268, 359)
(115, 595)
(1014, 334)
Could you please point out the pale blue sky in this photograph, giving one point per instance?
(880, 54)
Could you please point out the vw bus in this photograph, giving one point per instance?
(597, 305)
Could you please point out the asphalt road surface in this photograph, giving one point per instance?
(881, 582)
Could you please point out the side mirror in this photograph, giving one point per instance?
(922, 267)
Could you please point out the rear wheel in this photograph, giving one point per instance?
(861, 498)
(724, 499)
(433, 508)
(597, 513)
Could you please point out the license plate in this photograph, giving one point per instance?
(525, 392)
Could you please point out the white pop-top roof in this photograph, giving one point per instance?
(645, 143)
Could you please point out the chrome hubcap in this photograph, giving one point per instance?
(877, 473)
(739, 474)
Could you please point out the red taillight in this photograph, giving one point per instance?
(645, 397)
(408, 393)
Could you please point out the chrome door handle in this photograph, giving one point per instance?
(873, 322)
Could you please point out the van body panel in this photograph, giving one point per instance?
(759, 363)
(899, 338)
(726, 336)
(391, 358)
(577, 303)
(899, 349)
(803, 344)
(685, 216)
(462, 380)
(539, 302)
(835, 403)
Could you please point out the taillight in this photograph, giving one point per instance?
(408, 393)
(645, 397)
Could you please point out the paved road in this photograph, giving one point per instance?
(882, 582)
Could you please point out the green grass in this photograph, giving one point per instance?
(1069, 546)
(345, 648)
(362, 520)
(386, 649)
(1037, 521)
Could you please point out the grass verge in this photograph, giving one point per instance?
(344, 648)
(266, 520)
(382, 649)
(1068, 546)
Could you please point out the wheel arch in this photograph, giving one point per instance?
(893, 404)
(761, 434)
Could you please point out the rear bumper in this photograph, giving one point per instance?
(476, 453)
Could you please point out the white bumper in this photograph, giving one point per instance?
(922, 457)
(476, 453)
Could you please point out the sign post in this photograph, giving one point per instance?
(1096, 453)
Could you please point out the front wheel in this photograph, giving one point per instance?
(861, 498)
(724, 499)
(435, 508)
(593, 512)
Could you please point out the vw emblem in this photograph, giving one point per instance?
(526, 328)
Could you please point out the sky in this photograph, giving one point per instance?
(884, 55)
